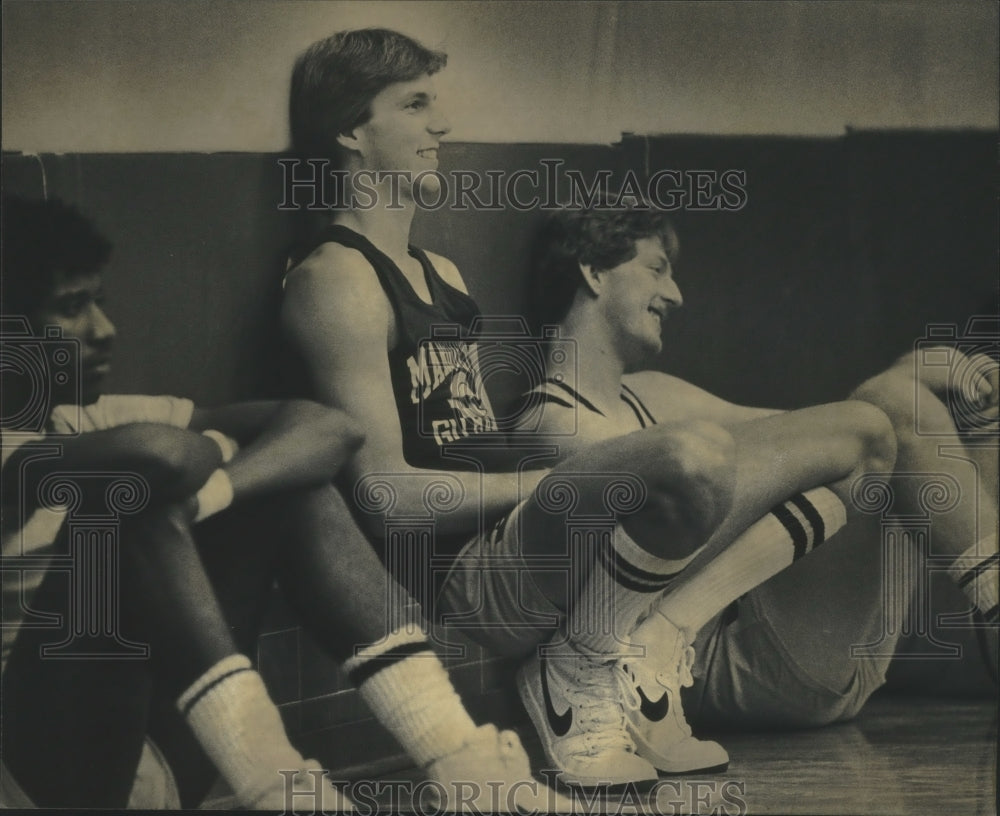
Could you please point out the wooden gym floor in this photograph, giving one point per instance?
(902, 755)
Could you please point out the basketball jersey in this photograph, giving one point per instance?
(436, 382)
(35, 537)
(558, 392)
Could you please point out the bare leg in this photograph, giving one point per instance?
(332, 575)
(775, 458)
(73, 729)
(685, 473)
(932, 452)
(839, 597)
(936, 449)
(335, 580)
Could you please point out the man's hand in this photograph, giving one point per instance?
(972, 378)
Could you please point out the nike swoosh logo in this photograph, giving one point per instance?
(559, 723)
(654, 711)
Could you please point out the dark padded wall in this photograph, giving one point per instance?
(490, 247)
(845, 251)
(194, 279)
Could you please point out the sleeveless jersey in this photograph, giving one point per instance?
(560, 393)
(436, 382)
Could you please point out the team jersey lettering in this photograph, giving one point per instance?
(451, 364)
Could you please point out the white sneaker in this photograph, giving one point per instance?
(491, 774)
(308, 790)
(578, 707)
(661, 733)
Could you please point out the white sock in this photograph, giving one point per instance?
(238, 725)
(408, 689)
(976, 572)
(624, 582)
(790, 531)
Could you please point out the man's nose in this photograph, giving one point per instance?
(672, 293)
(102, 330)
(439, 124)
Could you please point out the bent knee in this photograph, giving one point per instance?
(708, 455)
(876, 437)
(693, 486)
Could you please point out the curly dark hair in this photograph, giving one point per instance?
(335, 80)
(600, 236)
(43, 239)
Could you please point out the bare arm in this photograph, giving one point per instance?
(285, 445)
(971, 383)
(340, 320)
(777, 454)
(945, 372)
(671, 399)
(173, 462)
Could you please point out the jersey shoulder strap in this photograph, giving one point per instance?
(642, 413)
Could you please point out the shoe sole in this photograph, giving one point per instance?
(535, 707)
(646, 751)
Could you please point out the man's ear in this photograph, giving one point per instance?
(350, 141)
(592, 278)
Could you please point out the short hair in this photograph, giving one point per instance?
(335, 80)
(601, 236)
(43, 240)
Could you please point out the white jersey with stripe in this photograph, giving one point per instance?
(33, 538)
(558, 392)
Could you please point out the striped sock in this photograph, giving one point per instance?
(790, 531)
(976, 571)
(408, 689)
(238, 725)
(623, 583)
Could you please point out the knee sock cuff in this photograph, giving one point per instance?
(811, 518)
(372, 659)
(412, 695)
(228, 666)
(637, 569)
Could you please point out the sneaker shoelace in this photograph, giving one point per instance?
(683, 679)
(671, 681)
(683, 670)
(600, 693)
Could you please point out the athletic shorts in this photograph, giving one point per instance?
(489, 594)
(745, 675)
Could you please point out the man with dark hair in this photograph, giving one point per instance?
(76, 731)
(366, 99)
(335, 80)
(42, 239)
(772, 652)
(365, 309)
